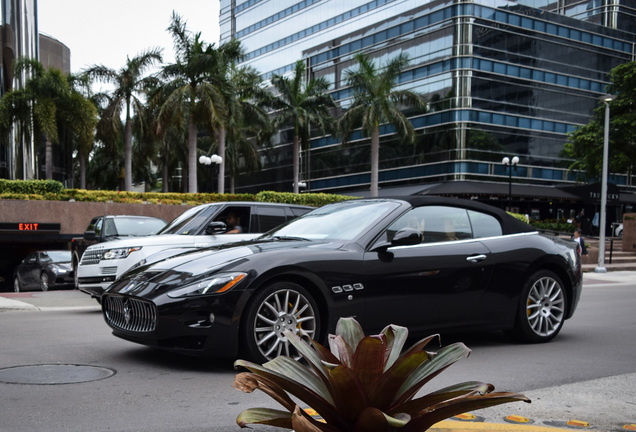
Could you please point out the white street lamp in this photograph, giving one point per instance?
(606, 99)
(214, 159)
(510, 163)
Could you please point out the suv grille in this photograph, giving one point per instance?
(130, 314)
(91, 257)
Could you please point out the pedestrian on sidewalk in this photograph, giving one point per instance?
(579, 239)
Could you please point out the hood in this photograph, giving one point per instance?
(165, 275)
(172, 240)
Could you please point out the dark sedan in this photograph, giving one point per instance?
(426, 263)
(44, 270)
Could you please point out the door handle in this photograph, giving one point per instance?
(476, 258)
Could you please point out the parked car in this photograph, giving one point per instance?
(200, 226)
(113, 227)
(44, 270)
(426, 263)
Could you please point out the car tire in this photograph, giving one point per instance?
(75, 275)
(16, 285)
(274, 309)
(542, 308)
(44, 281)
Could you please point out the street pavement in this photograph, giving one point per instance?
(76, 300)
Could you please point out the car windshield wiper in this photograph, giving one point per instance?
(288, 238)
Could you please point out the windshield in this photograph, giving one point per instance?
(344, 221)
(55, 256)
(191, 221)
(122, 226)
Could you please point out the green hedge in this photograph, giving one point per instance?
(54, 191)
(30, 187)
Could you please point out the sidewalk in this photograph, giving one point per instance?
(49, 300)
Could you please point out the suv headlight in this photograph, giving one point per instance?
(119, 253)
(215, 284)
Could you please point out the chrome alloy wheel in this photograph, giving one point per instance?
(545, 306)
(282, 310)
(44, 282)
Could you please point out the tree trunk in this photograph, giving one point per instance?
(375, 158)
(128, 155)
(48, 162)
(232, 184)
(164, 173)
(192, 155)
(296, 155)
(82, 168)
(221, 181)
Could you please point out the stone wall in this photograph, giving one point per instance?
(75, 216)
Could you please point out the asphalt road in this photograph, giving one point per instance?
(588, 373)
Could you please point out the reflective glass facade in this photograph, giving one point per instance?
(503, 77)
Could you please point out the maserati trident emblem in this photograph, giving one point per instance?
(127, 312)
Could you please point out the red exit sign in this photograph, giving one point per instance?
(29, 227)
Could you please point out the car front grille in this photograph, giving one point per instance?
(91, 257)
(129, 314)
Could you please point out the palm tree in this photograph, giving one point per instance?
(300, 105)
(377, 101)
(47, 103)
(198, 98)
(80, 114)
(130, 82)
(248, 124)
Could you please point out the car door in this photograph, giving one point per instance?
(31, 271)
(432, 285)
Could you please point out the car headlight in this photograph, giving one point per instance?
(119, 253)
(57, 270)
(215, 284)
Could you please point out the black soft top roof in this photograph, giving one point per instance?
(509, 224)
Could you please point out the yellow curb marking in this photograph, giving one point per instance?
(578, 423)
(466, 416)
(518, 419)
(631, 427)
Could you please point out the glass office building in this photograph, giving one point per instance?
(504, 78)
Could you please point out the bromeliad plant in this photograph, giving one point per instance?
(363, 384)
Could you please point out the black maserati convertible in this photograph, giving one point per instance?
(430, 264)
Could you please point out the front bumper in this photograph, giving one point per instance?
(202, 327)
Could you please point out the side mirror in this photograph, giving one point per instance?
(407, 237)
(215, 228)
(90, 235)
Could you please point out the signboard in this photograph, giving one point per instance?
(29, 227)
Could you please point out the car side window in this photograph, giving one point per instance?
(444, 223)
(436, 223)
(484, 225)
(269, 217)
(243, 214)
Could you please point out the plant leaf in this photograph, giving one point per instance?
(428, 370)
(266, 416)
(368, 361)
(300, 374)
(341, 350)
(414, 406)
(351, 331)
(281, 383)
(396, 337)
(247, 382)
(349, 395)
(386, 389)
(457, 406)
(303, 422)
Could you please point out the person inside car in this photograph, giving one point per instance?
(233, 224)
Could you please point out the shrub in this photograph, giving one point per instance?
(364, 384)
